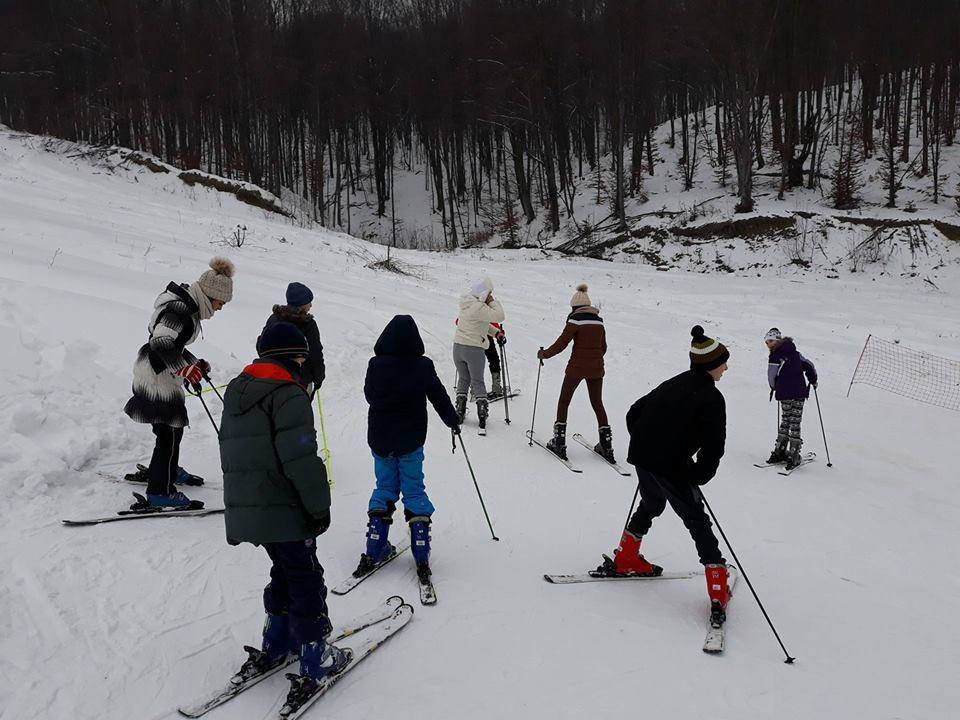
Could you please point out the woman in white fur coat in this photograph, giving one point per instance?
(164, 364)
(477, 310)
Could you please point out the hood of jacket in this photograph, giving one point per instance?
(285, 313)
(400, 338)
(257, 380)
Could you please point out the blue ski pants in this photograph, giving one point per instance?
(398, 475)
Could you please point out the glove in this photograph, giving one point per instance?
(540, 354)
(191, 373)
(204, 367)
(455, 429)
(501, 338)
(322, 523)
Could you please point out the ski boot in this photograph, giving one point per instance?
(461, 407)
(627, 560)
(778, 455)
(420, 542)
(605, 447)
(142, 475)
(184, 478)
(378, 545)
(793, 456)
(276, 647)
(318, 660)
(483, 411)
(496, 386)
(558, 443)
(719, 592)
(174, 501)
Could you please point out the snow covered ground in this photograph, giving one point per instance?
(132, 619)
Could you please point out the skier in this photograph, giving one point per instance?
(163, 365)
(685, 415)
(585, 328)
(400, 380)
(276, 495)
(297, 311)
(785, 374)
(496, 338)
(477, 310)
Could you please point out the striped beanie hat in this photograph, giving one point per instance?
(283, 340)
(706, 353)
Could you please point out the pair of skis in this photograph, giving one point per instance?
(428, 594)
(383, 622)
(805, 459)
(713, 643)
(582, 441)
(143, 511)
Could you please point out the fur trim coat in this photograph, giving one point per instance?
(158, 395)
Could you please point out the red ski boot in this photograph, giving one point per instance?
(627, 560)
(719, 592)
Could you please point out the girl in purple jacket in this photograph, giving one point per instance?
(790, 375)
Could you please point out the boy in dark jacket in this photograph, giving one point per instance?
(790, 375)
(276, 495)
(684, 416)
(297, 312)
(399, 382)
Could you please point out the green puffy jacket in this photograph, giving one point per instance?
(274, 484)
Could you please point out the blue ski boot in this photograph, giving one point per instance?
(185, 478)
(175, 500)
(420, 544)
(378, 544)
(318, 660)
(276, 646)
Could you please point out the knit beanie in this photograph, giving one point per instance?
(481, 288)
(706, 353)
(580, 297)
(283, 341)
(773, 334)
(217, 282)
(298, 295)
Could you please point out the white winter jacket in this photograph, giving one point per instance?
(473, 322)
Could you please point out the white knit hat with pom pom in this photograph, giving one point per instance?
(580, 297)
(217, 282)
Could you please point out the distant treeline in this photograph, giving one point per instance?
(504, 102)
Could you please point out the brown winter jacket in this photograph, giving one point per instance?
(585, 328)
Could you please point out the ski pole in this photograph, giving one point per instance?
(536, 393)
(212, 386)
(196, 390)
(482, 504)
(506, 384)
(790, 659)
(632, 504)
(323, 434)
(824, 432)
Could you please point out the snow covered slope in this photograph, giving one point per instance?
(855, 563)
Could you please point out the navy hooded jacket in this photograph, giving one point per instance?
(790, 373)
(399, 382)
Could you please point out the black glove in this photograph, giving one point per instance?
(501, 339)
(455, 429)
(322, 523)
(204, 367)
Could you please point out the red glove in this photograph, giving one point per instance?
(192, 373)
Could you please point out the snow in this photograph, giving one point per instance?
(854, 563)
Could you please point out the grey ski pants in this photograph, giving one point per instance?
(470, 363)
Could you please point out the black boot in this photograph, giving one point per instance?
(605, 446)
(461, 407)
(558, 443)
(778, 455)
(483, 410)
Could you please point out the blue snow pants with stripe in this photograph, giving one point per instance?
(398, 475)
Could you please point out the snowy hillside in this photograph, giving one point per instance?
(855, 563)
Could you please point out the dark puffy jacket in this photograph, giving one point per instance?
(786, 371)
(399, 382)
(313, 370)
(585, 328)
(685, 415)
(274, 484)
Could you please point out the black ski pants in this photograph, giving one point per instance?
(165, 459)
(493, 357)
(297, 589)
(655, 492)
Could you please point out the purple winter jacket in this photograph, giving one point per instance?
(786, 371)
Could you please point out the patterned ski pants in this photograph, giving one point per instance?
(791, 413)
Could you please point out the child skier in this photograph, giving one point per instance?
(496, 338)
(477, 310)
(276, 495)
(399, 382)
(585, 328)
(297, 311)
(790, 375)
(163, 365)
(685, 415)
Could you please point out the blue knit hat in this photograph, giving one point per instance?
(283, 340)
(298, 295)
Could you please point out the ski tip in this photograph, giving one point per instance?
(548, 578)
